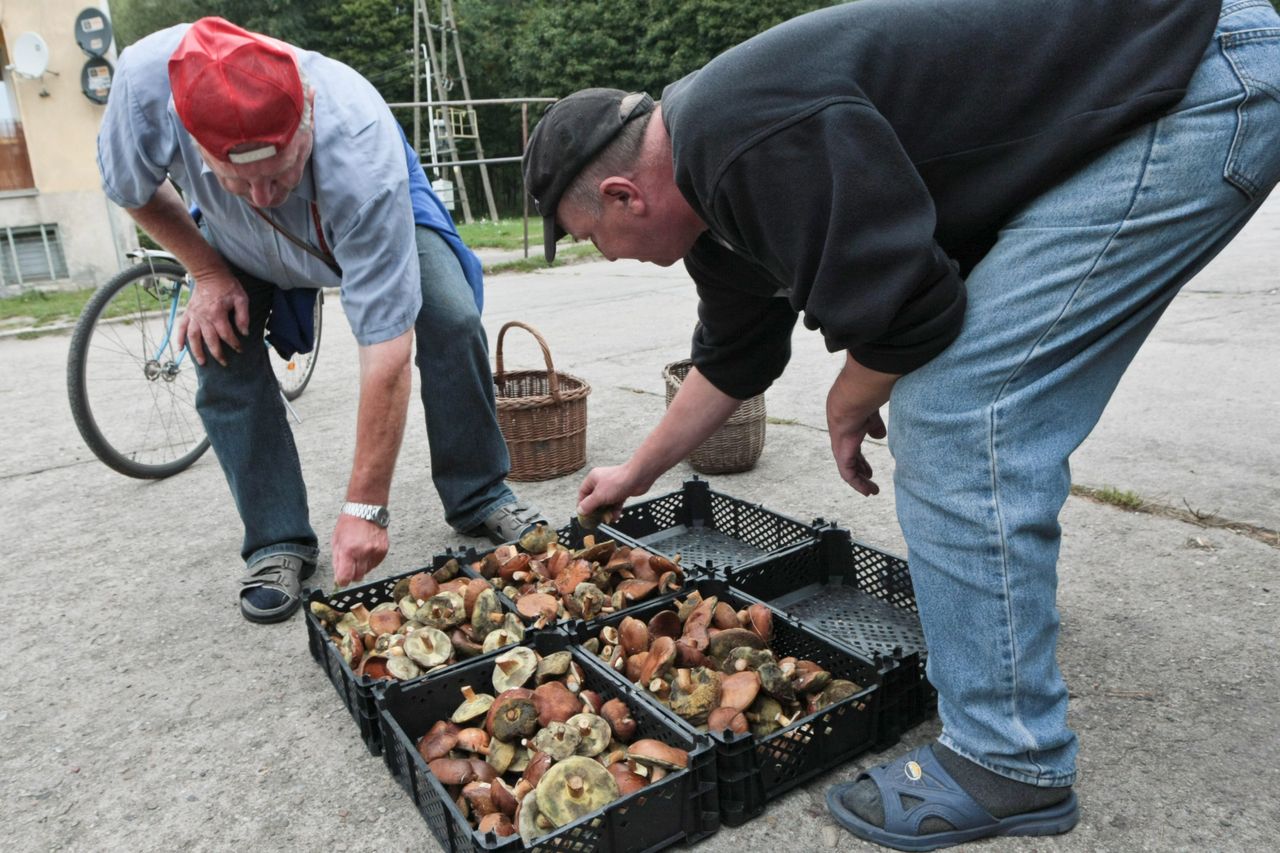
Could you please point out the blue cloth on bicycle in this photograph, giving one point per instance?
(291, 328)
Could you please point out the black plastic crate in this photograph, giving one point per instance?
(862, 598)
(682, 807)
(753, 770)
(357, 692)
(709, 529)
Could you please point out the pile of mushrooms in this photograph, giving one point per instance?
(542, 750)
(548, 581)
(432, 620)
(713, 667)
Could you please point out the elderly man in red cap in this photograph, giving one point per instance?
(304, 180)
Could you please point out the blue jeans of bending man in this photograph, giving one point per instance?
(982, 435)
(249, 430)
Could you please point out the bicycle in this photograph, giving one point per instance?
(149, 429)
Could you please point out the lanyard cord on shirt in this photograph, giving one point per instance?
(323, 254)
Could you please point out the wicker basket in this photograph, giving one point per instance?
(735, 446)
(542, 415)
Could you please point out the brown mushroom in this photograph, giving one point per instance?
(578, 571)
(555, 703)
(501, 756)
(539, 539)
(724, 642)
(628, 782)
(739, 690)
(438, 741)
(474, 740)
(423, 586)
(662, 653)
(513, 715)
(553, 666)
(503, 796)
(665, 623)
(654, 753)
(634, 635)
(538, 604)
(385, 618)
(689, 656)
(620, 719)
(452, 771)
(539, 764)
(727, 718)
(478, 797)
(724, 617)
(497, 823)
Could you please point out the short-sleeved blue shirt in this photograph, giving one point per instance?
(356, 176)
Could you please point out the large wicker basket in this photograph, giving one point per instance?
(543, 416)
(735, 446)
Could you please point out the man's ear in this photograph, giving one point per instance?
(620, 190)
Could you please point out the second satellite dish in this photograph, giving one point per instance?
(30, 55)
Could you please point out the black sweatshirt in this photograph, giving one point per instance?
(856, 162)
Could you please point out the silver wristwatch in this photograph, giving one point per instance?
(369, 512)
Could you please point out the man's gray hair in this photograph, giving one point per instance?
(621, 157)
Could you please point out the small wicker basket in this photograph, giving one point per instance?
(734, 447)
(542, 415)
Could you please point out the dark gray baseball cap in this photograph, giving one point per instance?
(572, 132)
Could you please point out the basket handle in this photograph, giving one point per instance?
(553, 382)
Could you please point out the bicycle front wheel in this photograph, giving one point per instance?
(294, 374)
(132, 390)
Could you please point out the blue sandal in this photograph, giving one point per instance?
(932, 792)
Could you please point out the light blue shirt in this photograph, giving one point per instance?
(356, 176)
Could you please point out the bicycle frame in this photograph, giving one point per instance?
(150, 255)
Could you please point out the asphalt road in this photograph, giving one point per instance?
(140, 712)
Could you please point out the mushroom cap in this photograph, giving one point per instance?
(628, 781)
(473, 706)
(483, 610)
(727, 718)
(539, 539)
(514, 667)
(558, 740)
(437, 743)
(620, 720)
(445, 609)
(634, 635)
(501, 756)
(538, 604)
(386, 618)
(512, 631)
(732, 638)
(496, 822)
(655, 753)
(527, 819)
(428, 647)
(422, 586)
(513, 715)
(695, 697)
(555, 703)
(835, 691)
(402, 667)
(574, 788)
(554, 665)
(665, 623)
(452, 771)
(594, 733)
(775, 682)
(662, 653)
(739, 690)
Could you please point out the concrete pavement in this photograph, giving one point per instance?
(140, 711)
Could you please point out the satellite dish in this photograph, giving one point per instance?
(95, 79)
(93, 31)
(30, 55)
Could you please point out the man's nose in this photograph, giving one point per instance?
(262, 192)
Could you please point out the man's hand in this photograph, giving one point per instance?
(853, 413)
(216, 301)
(605, 489)
(358, 547)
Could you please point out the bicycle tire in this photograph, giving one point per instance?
(295, 373)
(136, 414)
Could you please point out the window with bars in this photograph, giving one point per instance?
(31, 253)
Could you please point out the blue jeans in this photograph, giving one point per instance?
(981, 435)
(248, 426)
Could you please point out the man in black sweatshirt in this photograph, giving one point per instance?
(987, 206)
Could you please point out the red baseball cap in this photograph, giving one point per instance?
(236, 89)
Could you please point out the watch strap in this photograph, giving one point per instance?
(375, 513)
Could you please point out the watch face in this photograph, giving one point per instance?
(382, 517)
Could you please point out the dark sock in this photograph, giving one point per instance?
(999, 795)
(265, 599)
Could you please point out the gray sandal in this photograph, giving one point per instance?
(508, 522)
(280, 575)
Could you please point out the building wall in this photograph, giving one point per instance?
(61, 126)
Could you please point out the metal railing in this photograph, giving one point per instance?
(484, 161)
